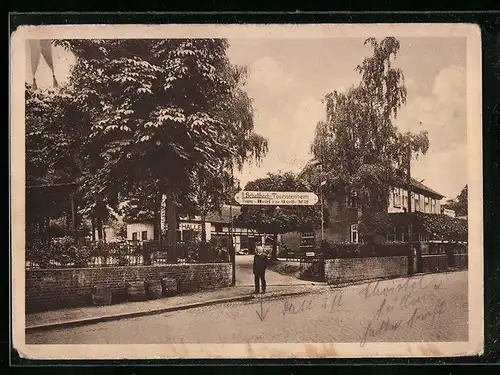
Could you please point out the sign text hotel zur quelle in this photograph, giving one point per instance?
(276, 198)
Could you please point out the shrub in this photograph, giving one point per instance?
(339, 250)
(39, 252)
(81, 255)
(460, 248)
(64, 250)
(433, 226)
(388, 249)
(374, 224)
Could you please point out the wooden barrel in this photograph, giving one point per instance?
(101, 295)
(169, 286)
(136, 290)
(154, 289)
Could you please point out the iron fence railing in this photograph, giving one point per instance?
(129, 253)
(128, 260)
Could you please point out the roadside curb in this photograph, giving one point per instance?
(135, 314)
(386, 278)
(271, 296)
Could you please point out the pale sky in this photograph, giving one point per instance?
(289, 77)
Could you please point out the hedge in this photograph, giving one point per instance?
(66, 252)
(433, 226)
(331, 250)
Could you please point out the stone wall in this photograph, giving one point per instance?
(58, 288)
(339, 271)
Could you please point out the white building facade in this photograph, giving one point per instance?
(420, 202)
(141, 231)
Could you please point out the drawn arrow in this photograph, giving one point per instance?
(262, 314)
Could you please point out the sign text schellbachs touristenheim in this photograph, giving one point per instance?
(276, 198)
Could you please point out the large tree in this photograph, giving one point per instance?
(55, 160)
(283, 219)
(160, 111)
(360, 149)
(62, 155)
(212, 190)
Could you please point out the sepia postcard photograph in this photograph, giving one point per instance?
(246, 191)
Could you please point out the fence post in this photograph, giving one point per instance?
(146, 254)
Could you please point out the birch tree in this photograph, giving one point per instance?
(360, 148)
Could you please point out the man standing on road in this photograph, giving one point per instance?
(260, 261)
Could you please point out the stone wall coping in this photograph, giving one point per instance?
(365, 258)
(122, 267)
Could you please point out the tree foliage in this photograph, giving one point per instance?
(142, 118)
(163, 109)
(360, 149)
(282, 219)
(459, 204)
(56, 138)
(54, 143)
(432, 226)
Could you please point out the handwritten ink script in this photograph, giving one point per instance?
(330, 303)
(375, 311)
(403, 306)
(263, 312)
(424, 282)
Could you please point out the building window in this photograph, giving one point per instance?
(351, 201)
(427, 204)
(405, 201)
(396, 197)
(134, 236)
(417, 202)
(144, 235)
(354, 233)
(393, 235)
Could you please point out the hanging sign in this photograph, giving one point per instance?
(276, 198)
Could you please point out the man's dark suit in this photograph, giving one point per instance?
(259, 271)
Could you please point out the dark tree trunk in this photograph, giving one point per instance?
(68, 223)
(158, 205)
(93, 229)
(156, 220)
(204, 246)
(274, 253)
(203, 230)
(172, 226)
(39, 229)
(99, 229)
(46, 224)
(74, 217)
